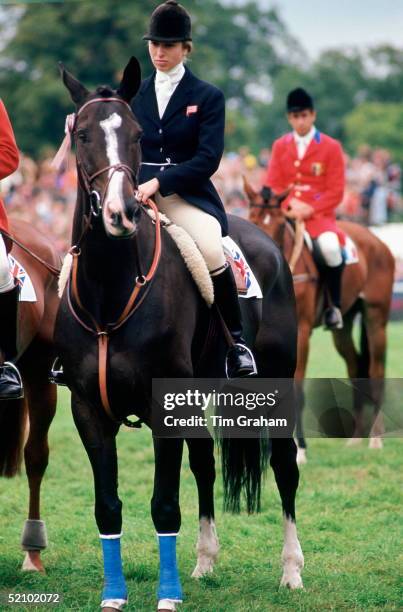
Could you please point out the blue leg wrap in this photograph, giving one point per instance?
(169, 586)
(114, 585)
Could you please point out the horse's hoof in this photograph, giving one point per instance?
(200, 571)
(301, 456)
(375, 443)
(32, 562)
(354, 442)
(292, 581)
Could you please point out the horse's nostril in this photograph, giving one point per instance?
(116, 219)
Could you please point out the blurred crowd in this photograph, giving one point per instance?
(37, 194)
(372, 196)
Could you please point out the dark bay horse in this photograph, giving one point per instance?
(130, 313)
(366, 289)
(32, 415)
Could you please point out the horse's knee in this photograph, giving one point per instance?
(165, 514)
(108, 514)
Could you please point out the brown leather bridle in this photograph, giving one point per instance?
(142, 282)
(85, 178)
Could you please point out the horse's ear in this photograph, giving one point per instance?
(250, 192)
(280, 197)
(77, 91)
(131, 80)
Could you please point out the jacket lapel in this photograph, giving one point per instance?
(149, 100)
(314, 145)
(180, 96)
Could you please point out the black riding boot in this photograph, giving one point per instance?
(239, 361)
(333, 318)
(10, 378)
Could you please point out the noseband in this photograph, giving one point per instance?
(86, 179)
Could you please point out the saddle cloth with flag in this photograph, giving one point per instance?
(27, 291)
(246, 281)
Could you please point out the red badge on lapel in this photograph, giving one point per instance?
(190, 110)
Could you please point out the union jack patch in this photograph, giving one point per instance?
(190, 110)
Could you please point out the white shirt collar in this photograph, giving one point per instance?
(307, 138)
(174, 75)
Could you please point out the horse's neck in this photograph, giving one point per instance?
(108, 267)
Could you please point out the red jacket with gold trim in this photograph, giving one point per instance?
(9, 157)
(317, 179)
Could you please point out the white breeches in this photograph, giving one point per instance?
(202, 227)
(6, 278)
(329, 245)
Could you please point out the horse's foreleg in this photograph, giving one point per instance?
(99, 438)
(202, 464)
(167, 518)
(41, 400)
(304, 331)
(284, 464)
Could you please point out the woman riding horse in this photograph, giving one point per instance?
(10, 378)
(183, 119)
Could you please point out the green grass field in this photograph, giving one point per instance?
(349, 517)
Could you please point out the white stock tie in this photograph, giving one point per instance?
(164, 89)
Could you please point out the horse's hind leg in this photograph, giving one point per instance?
(41, 400)
(202, 464)
(344, 344)
(376, 320)
(283, 462)
(167, 518)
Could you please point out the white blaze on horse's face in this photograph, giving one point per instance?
(266, 220)
(113, 207)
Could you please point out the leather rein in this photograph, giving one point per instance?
(142, 282)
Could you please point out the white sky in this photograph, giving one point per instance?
(321, 24)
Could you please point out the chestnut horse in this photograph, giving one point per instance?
(366, 289)
(32, 414)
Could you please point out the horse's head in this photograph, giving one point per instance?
(265, 209)
(107, 136)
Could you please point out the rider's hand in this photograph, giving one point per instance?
(297, 209)
(146, 190)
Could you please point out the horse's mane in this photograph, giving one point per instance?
(105, 91)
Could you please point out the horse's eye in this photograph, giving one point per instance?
(138, 137)
(82, 135)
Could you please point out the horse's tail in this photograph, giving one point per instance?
(244, 462)
(363, 355)
(12, 430)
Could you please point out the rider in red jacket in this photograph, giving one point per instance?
(311, 165)
(10, 379)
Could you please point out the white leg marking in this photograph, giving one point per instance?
(207, 548)
(114, 196)
(167, 604)
(292, 557)
(375, 442)
(301, 456)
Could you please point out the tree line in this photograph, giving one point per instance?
(245, 50)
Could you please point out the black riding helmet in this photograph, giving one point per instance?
(170, 22)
